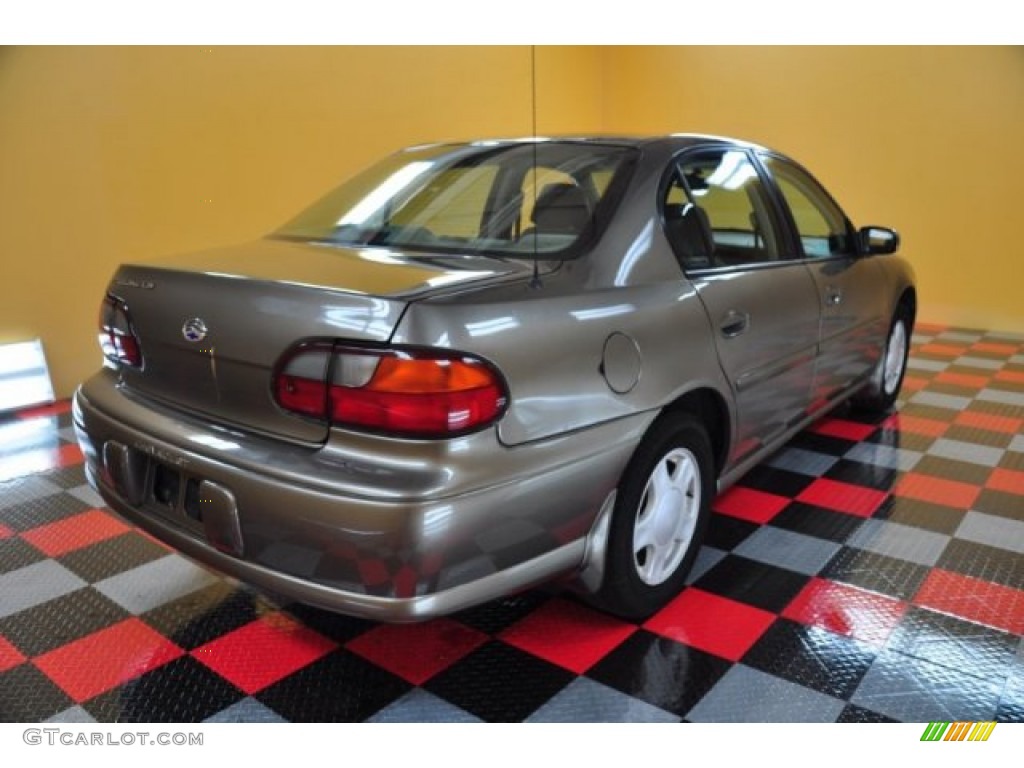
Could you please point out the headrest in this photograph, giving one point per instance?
(561, 208)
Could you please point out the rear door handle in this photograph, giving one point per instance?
(734, 323)
(833, 296)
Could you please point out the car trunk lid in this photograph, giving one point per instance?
(213, 326)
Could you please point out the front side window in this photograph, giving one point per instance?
(519, 200)
(822, 227)
(716, 212)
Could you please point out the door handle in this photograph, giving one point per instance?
(833, 296)
(734, 323)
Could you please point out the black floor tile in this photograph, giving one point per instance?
(27, 695)
(921, 514)
(726, 532)
(868, 475)
(962, 645)
(1001, 504)
(998, 409)
(983, 562)
(340, 687)
(108, 558)
(877, 573)
(931, 412)
(895, 438)
(499, 683)
(67, 477)
(748, 581)
(853, 714)
(41, 511)
(978, 436)
(660, 671)
(497, 615)
(58, 622)
(834, 446)
(781, 482)
(813, 657)
(183, 691)
(817, 521)
(16, 553)
(947, 388)
(961, 471)
(334, 626)
(205, 615)
(1013, 460)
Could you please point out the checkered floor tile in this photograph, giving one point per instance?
(872, 570)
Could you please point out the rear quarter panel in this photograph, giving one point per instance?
(549, 343)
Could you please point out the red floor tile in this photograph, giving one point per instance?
(105, 659)
(1016, 377)
(61, 406)
(973, 599)
(916, 425)
(962, 380)
(846, 610)
(1009, 480)
(568, 634)
(69, 454)
(75, 532)
(995, 348)
(263, 651)
(848, 430)
(749, 504)
(989, 421)
(711, 623)
(930, 329)
(941, 350)
(10, 656)
(914, 383)
(842, 497)
(417, 652)
(951, 493)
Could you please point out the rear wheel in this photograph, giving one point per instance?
(882, 390)
(660, 516)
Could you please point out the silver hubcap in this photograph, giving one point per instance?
(895, 354)
(668, 516)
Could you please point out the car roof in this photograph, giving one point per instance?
(672, 141)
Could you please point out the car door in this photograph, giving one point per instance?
(763, 308)
(852, 310)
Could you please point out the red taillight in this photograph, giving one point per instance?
(117, 339)
(413, 393)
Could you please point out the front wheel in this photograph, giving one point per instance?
(660, 516)
(881, 391)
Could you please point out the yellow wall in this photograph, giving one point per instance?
(108, 154)
(927, 140)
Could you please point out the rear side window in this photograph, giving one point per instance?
(823, 229)
(732, 209)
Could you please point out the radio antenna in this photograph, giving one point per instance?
(535, 281)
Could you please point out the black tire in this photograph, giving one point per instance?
(882, 390)
(633, 587)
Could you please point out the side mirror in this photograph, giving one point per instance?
(879, 240)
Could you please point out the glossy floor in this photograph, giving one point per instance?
(872, 570)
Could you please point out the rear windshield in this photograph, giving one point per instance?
(529, 200)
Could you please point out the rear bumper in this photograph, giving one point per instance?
(368, 526)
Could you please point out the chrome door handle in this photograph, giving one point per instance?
(833, 296)
(734, 323)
